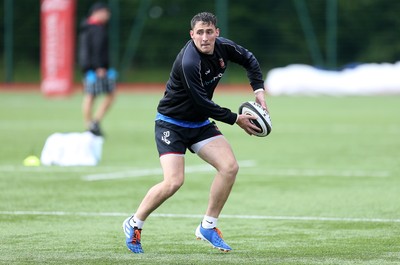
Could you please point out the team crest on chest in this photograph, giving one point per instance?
(221, 63)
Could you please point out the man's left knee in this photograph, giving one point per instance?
(230, 169)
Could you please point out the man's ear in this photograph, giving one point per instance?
(217, 32)
(191, 32)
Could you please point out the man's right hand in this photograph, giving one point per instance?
(244, 121)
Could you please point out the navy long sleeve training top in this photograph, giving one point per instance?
(194, 77)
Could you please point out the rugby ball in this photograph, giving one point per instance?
(263, 120)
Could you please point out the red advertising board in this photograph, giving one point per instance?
(57, 46)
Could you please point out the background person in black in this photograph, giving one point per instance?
(182, 123)
(94, 61)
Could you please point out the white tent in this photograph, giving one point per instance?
(364, 79)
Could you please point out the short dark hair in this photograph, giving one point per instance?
(98, 6)
(205, 17)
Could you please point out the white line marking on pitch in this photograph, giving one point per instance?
(190, 216)
(155, 171)
(83, 169)
(126, 172)
(324, 172)
(289, 172)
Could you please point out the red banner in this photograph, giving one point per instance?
(57, 46)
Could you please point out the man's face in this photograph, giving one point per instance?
(103, 15)
(203, 36)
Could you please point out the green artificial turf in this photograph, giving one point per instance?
(323, 188)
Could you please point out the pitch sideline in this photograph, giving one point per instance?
(189, 216)
(132, 173)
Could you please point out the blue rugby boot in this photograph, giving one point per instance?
(212, 236)
(132, 236)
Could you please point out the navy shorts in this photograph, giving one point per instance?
(174, 139)
(96, 86)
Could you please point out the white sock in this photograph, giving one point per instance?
(136, 222)
(209, 222)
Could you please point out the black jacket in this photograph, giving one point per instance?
(93, 46)
(195, 76)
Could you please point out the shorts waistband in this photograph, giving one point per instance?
(186, 124)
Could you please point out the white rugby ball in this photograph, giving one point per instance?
(263, 120)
